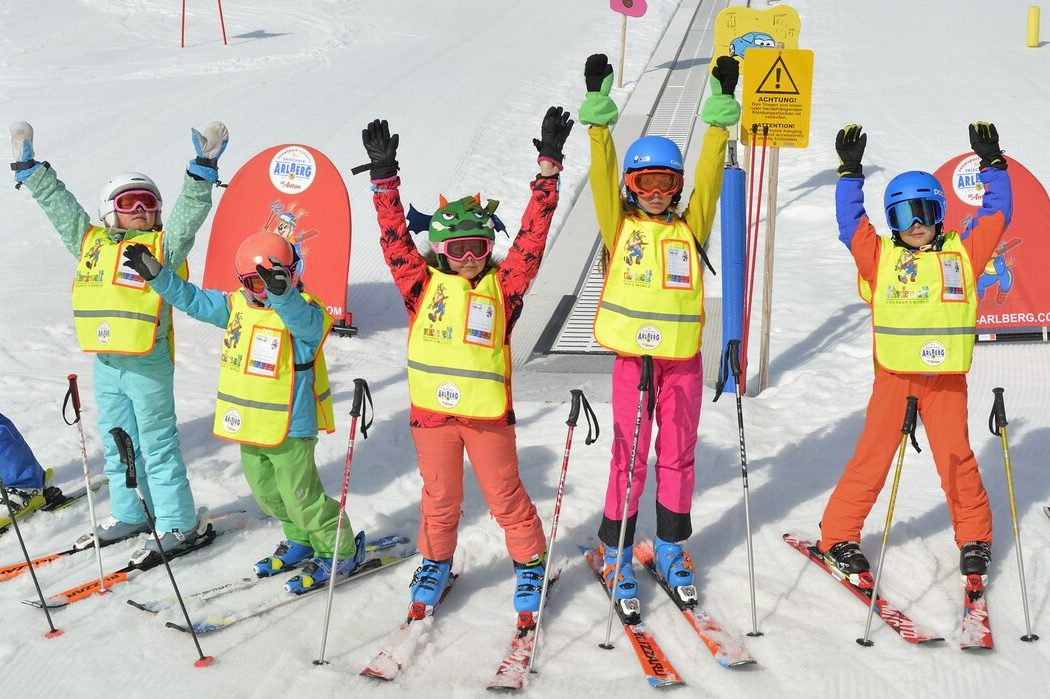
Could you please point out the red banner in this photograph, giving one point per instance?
(1014, 288)
(296, 192)
(631, 8)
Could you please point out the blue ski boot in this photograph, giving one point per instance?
(317, 571)
(529, 584)
(289, 554)
(626, 583)
(429, 582)
(676, 568)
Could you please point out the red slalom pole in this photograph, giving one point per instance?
(752, 255)
(222, 23)
(182, 38)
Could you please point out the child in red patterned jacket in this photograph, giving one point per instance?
(462, 306)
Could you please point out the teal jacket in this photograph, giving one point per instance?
(180, 230)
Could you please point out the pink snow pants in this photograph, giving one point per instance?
(492, 452)
(679, 387)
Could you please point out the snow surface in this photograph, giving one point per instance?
(466, 83)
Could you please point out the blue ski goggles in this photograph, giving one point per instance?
(903, 214)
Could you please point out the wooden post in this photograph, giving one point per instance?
(623, 49)
(767, 271)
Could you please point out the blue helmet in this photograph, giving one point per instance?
(925, 194)
(653, 151)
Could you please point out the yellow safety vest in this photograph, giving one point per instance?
(653, 298)
(257, 376)
(458, 363)
(924, 309)
(114, 310)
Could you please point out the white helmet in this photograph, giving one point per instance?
(122, 182)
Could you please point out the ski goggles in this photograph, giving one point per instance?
(903, 214)
(645, 183)
(459, 248)
(127, 202)
(253, 283)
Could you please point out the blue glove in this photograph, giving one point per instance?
(22, 151)
(209, 146)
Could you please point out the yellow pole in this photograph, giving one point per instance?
(1033, 27)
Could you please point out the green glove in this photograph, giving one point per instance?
(598, 109)
(720, 110)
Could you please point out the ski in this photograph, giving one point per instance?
(894, 617)
(657, 668)
(215, 622)
(1046, 510)
(56, 499)
(976, 626)
(159, 605)
(402, 644)
(727, 651)
(141, 561)
(510, 675)
(83, 543)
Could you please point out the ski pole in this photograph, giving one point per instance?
(907, 430)
(733, 350)
(73, 396)
(578, 399)
(997, 425)
(126, 450)
(358, 409)
(645, 387)
(53, 633)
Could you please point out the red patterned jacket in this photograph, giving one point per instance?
(515, 272)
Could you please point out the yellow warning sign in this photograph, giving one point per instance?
(777, 96)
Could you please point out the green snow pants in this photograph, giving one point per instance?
(285, 483)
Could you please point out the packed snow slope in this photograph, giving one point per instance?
(108, 89)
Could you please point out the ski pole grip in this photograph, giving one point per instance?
(126, 451)
(646, 379)
(360, 388)
(74, 392)
(999, 408)
(574, 409)
(909, 415)
(733, 350)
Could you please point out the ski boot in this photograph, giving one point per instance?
(110, 531)
(317, 571)
(288, 555)
(625, 590)
(974, 558)
(528, 586)
(676, 568)
(22, 502)
(847, 561)
(428, 586)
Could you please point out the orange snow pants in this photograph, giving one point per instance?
(493, 454)
(942, 410)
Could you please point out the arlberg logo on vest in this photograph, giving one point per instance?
(102, 332)
(933, 352)
(448, 394)
(648, 337)
(231, 421)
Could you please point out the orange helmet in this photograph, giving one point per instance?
(257, 249)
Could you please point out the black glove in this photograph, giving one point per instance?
(727, 73)
(984, 139)
(555, 129)
(275, 278)
(142, 261)
(381, 148)
(849, 144)
(596, 71)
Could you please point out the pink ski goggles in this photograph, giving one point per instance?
(459, 248)
(133, 199)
